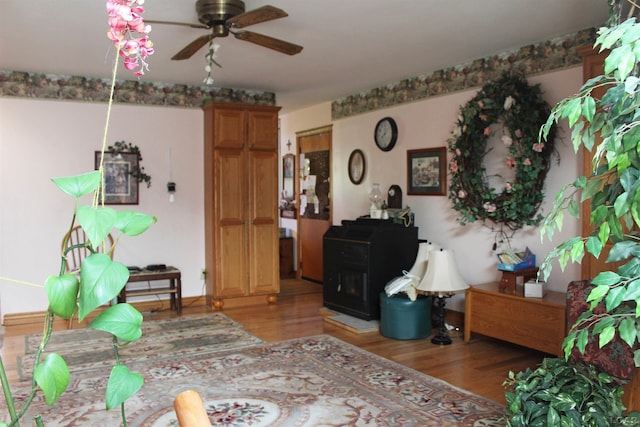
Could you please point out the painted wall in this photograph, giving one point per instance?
(43, 139)
(427, 124)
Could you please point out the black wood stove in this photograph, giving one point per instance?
(359, 258)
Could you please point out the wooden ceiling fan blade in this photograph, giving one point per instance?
(268, 42)
(261, 14)
(183, 24)
(190, 49)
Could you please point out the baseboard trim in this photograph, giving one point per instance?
(15, 319)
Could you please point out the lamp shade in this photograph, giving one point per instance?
(442, 277)
(420, 265)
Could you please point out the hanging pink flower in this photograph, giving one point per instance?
(483, 117)
(538, 146)
(487, 131)
(511, 163)
(527, 162)
(508, 186)
(129, 33)
(481, 104)
(453, 166)
(462, 194)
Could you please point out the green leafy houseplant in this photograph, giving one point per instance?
(559, 393)
(613, 193)
(613, 189)
(99, 279)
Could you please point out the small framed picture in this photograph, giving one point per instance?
(427, 172)
(120, 187)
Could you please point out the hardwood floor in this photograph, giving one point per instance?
(480, 366)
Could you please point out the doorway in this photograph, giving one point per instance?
(314, 199)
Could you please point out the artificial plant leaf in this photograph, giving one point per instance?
(582, 340)
(122, 385)
(605, 278)
(573, 111)
(594, 246)
(622, 59)
(614, 297)
(632, 290)
(101, 280)
(622, 250)
(606, 336)
(121, 320)
(78, 185)
(96, 222)
(627, 331)
(133, 223)
(588, 108)
(62, 292)
(52, 376)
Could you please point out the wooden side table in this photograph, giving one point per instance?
(538, 323)
(174, 289)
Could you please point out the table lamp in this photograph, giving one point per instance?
(441, 280)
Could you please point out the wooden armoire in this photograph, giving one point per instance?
(241, 204)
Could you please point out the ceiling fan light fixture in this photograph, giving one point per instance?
(214, 12)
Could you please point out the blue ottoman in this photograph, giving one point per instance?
(403, 319)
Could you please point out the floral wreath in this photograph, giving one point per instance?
(520, 110)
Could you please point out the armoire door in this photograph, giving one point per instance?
(231, 272)
(264, 273)
(314, 199)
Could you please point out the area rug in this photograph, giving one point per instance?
(89, 349)
(314, 381)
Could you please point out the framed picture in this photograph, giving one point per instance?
(120, 187)
(427, 172)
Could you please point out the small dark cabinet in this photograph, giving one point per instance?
(286, 258)
(359, 258)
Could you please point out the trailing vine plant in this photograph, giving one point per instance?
(99, 280)
(136, 171)
(514, 110)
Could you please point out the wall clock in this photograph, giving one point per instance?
(386, 134)
(356, 166)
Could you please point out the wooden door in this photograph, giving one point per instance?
(313, 199)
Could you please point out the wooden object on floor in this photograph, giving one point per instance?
(511, 279)
(174, 289)
(537, 323)
(241, 203)
(287, 270)
(190, 410)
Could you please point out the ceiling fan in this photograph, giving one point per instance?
(223, 17)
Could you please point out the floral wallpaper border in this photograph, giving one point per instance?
(528, 60)
(84, 89)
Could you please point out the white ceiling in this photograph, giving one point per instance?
(349, 45)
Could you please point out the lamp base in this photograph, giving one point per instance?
(442, 338)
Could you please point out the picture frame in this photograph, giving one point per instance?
(427, 172)
(356, 167)
(120, 187)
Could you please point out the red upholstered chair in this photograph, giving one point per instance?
(615, 358)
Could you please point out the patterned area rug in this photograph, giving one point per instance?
(88, 349)
(313, 381)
